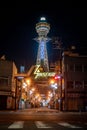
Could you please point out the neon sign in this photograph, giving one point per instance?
(42, 74)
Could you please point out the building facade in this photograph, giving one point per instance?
(74, 86)
(8, 70)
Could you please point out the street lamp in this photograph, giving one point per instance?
(54, 86)
(26, 82)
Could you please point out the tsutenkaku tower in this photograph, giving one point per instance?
(42, 28)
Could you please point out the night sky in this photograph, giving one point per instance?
(17, 31)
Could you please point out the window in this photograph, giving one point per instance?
(69, 84)
(85, 68)
(3, 81)
(78, 84)
(78, 68)
(71, 67)
(85, 84)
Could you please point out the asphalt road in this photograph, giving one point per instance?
(34, 119)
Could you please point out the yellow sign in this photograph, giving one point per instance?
(42, 74)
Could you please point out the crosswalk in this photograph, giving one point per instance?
(47, 125)
(65, 124)
(41, 124)
(16, 124)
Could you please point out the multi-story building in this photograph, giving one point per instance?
(8, 84)
(74, 86)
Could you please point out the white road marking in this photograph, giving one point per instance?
(40, 124)
(16, 125)
(65, 124)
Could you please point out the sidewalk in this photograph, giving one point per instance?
(39, 110)
(42, 109)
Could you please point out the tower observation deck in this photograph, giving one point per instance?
(42, 28)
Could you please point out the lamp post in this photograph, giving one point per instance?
(26, 82)
(54, 86)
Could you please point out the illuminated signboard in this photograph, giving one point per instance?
(42, 74)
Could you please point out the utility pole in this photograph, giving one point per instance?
(58, 45)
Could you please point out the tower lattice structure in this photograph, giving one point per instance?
(42, 28)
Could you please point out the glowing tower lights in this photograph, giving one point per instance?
(42, 28)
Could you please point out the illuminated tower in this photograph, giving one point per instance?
(42, 29)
